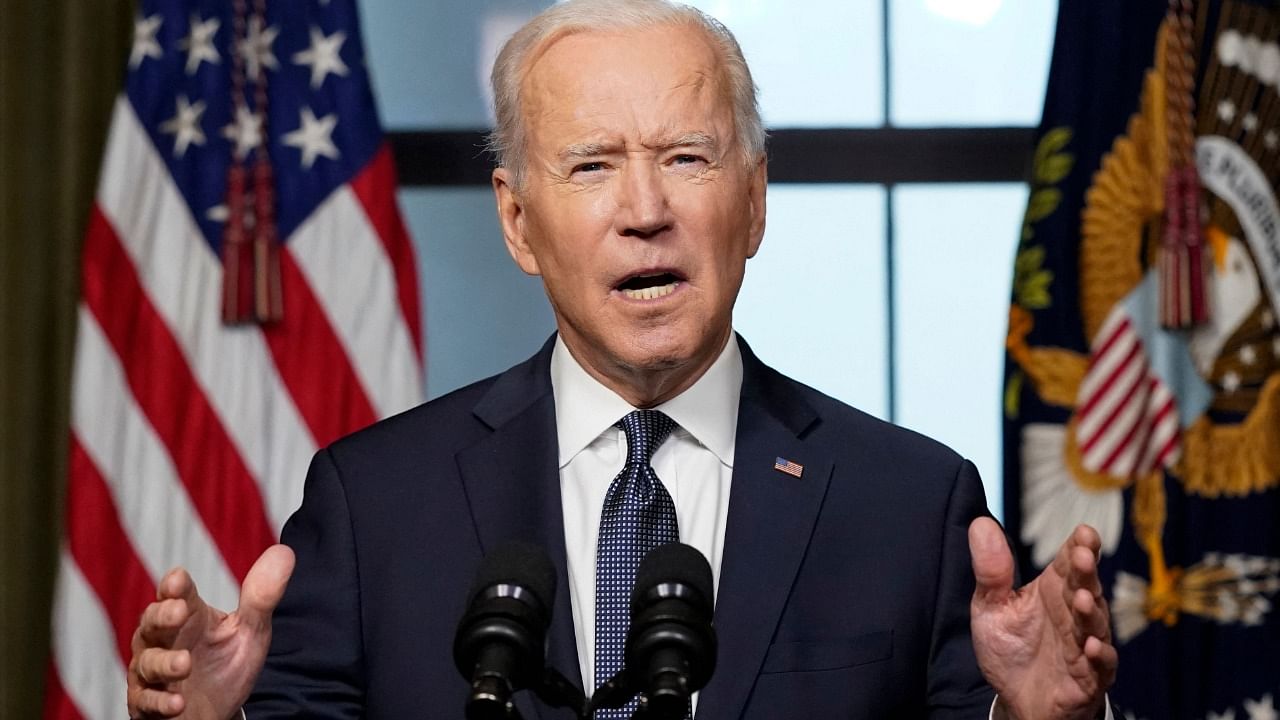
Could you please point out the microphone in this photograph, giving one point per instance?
(499, 646)
(671, 646)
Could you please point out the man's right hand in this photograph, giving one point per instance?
(194, 661)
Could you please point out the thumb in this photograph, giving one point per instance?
(264, 585)
(992, 562)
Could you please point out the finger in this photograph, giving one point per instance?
(158, 667)
(992, 562)
(1083, 573)
(1086, 536)
(146, 703)
(1103, 660)
(264, 585)
(176, 583)
(1090, 617)
(162, 621)
(1083, 568)
(1083, 539)
(1087, 540)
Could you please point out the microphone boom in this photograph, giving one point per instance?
(671, 646)
(499, 645)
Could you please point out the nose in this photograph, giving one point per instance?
(643, 211)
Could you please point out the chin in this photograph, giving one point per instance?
(664, 349)
(652, 359)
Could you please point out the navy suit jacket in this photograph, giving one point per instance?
(844, 593)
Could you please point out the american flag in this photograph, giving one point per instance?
(1127, 419)
(245, 178)
(791, 468)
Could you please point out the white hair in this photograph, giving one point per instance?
(508, 139)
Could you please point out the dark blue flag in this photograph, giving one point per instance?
(1142, 388)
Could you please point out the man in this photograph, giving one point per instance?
(632, 180)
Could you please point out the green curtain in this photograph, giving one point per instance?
(61, 65)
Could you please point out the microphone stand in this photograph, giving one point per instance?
(553, 688)
(618, 691)
(614, 693)
(557, 691)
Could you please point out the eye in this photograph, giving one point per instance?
(589, 167)
(686, 162)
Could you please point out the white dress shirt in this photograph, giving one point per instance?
(695, 464)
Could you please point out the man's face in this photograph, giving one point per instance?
(638, 208)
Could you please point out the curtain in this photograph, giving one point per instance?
(61, 64)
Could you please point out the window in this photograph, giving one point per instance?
(899, 291)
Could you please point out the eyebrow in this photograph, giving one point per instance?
(579, 151)
(693, 139)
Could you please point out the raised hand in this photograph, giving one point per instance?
(194, 661)
(1046, 647)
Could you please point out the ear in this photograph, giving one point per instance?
(758, 182)
(511, 215)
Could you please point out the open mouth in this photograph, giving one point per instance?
(649, 287)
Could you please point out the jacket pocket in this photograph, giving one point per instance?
(811, 655)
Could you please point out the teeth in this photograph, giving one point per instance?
(651, 293)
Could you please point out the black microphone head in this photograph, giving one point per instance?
(672, 570)
(671, 646)
(520, 564)
(502, 633)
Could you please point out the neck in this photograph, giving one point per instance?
(650, 386)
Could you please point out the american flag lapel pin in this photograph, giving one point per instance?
(794, 469)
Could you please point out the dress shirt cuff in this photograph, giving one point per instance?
(1105, 700)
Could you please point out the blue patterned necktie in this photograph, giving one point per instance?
(638, 516)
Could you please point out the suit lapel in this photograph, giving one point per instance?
(771, 518)
(512, 482)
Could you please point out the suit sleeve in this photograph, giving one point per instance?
(956, 688)
(314, 668)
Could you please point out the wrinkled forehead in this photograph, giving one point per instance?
(662, 68)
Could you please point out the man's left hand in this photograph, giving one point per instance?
(1046, 647)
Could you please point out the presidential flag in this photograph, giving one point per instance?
(1142, 387)
(249, 295)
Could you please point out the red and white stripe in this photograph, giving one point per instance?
(190, 438)
(1126, 416)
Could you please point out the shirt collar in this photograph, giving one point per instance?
(708, 410)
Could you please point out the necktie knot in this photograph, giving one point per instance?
(645, 431)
